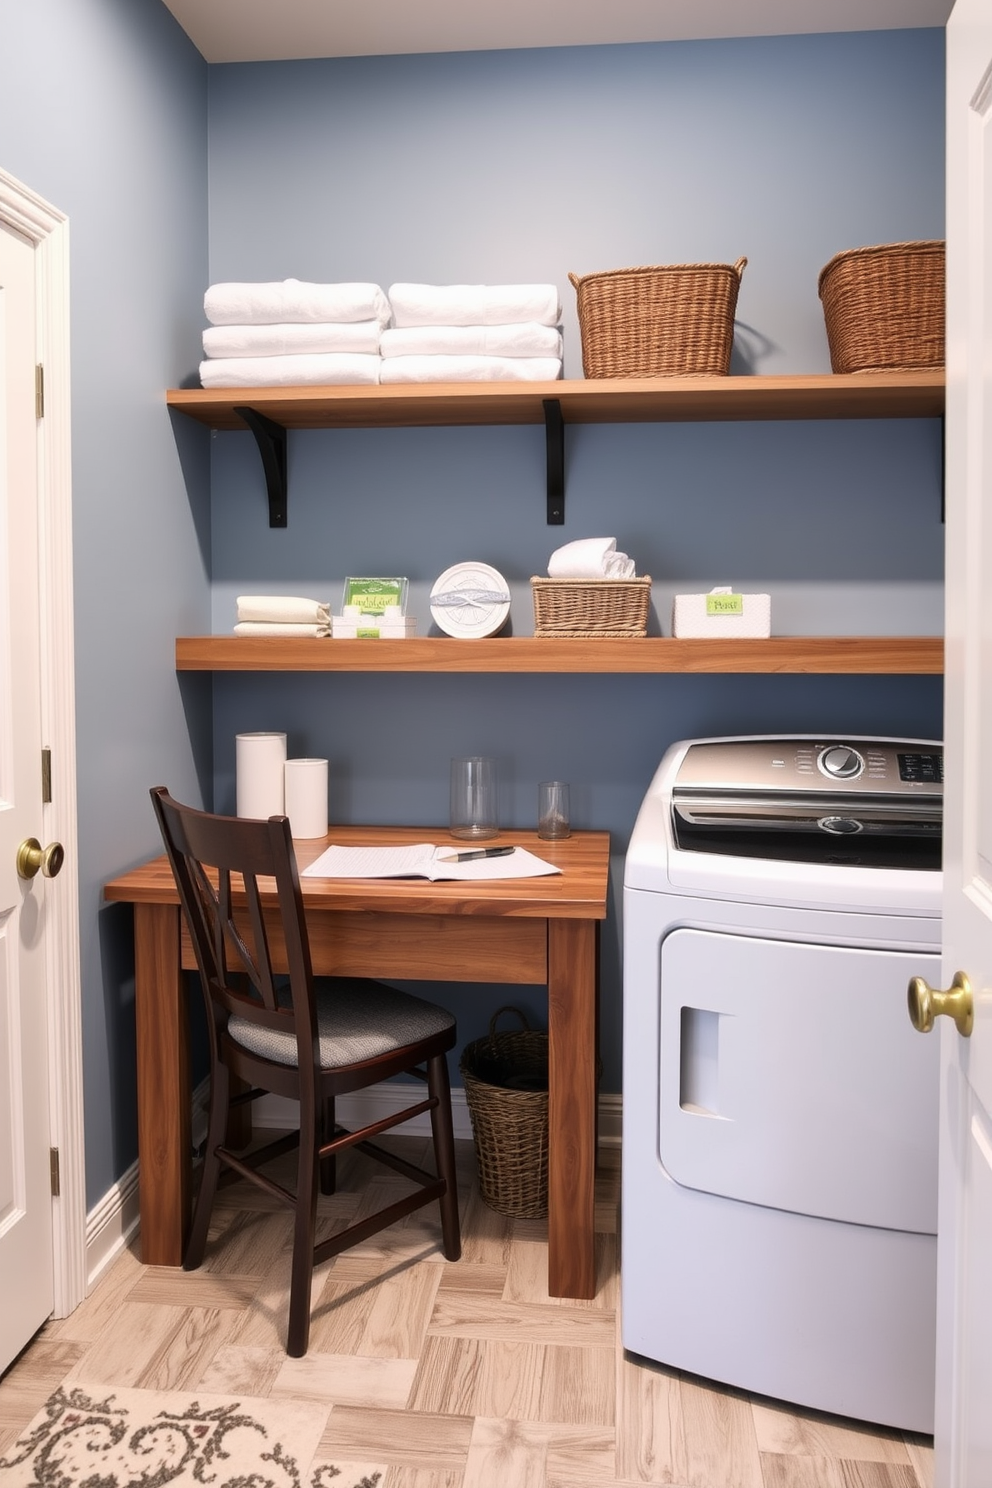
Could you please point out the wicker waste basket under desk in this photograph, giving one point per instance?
(506, 1088)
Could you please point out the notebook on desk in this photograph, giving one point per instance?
(424, 860)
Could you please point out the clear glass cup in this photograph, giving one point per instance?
(552, 810)
(473, 797)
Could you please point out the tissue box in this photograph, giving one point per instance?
(722, 614)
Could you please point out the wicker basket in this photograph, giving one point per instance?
(506, 1088)
(674, 320)
(884, 307)
(591, 607)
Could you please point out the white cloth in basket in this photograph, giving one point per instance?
(590, 558)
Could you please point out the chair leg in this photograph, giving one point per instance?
(444, 1154)
(216, 1129)
(304, 1226)
(328, 1165)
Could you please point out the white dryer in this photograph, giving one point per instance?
(779, 1209)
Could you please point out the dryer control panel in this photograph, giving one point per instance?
(798, 797)
(861, 766)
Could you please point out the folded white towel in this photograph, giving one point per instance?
(281, 300)
(250, 628)
(289, 371)
(474, 304)
(590, 558)
(289, 340)
(469, 369)
(528, 339)
(284, 608)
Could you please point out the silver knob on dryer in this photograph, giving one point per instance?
(841, 762)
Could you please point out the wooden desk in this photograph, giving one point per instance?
(533, 931)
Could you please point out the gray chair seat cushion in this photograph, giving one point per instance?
(357, 1019)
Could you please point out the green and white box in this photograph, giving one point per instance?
(722, 614)
(374, 596)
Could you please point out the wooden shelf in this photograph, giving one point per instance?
(585, 401)
(914, 655)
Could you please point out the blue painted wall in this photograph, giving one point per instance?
(509, 166)
(504, 166)
(103, 111)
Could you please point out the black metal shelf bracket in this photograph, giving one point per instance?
(271, 440)
(554, 427)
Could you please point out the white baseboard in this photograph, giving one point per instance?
(112, 1223)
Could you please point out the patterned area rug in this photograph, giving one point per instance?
(92, 1436)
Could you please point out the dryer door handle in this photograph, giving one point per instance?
(927, 1003)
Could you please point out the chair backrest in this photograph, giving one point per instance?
(218, 862)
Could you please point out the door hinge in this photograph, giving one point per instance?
(46, 777)
(39, 391)
(53, 1157)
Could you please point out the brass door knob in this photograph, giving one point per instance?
(927, 1003)
(31, 856)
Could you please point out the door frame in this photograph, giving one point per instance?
(47, 229)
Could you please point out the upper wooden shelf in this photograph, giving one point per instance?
(586, 401)
(915, 655)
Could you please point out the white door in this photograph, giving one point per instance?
(964, 1353)
(26, 1278)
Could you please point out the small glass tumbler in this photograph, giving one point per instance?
(473, 797)
(552, 810)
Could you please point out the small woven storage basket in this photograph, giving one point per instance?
(672, 320)
(884, 307)
(587, 607)
(506, 1088)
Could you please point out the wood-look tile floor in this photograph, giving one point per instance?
(440, 1375)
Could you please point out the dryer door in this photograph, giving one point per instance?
(792, 1078)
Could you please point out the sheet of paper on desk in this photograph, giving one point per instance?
(422, 860)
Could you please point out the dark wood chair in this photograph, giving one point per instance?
(277, 1032)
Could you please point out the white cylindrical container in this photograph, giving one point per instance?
(260, 765)
(306, 797)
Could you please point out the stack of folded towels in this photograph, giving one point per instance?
(472, 333)
(281, 615)
(590, 558)
(289, 333)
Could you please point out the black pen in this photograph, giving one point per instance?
(479, 852)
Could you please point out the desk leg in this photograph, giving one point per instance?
(163, 1084)
(572, 979)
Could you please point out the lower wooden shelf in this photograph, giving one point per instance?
(911, 655)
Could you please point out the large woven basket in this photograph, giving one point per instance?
(672, 320)
(591, 607)
(884, 307)
(506, 1088)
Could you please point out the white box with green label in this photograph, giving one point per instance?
(722, 614)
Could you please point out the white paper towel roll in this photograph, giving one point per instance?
(261, 761)
(306, 797)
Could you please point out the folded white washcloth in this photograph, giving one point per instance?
(320, 369)
(527, 339)
(590, 558)
(286, 609)
(290, 339)
(251, 628)
(282, 300)
(474, 304)
(469, 369)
